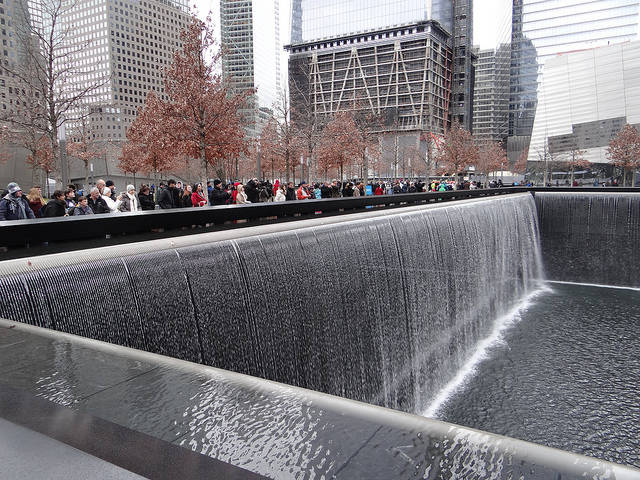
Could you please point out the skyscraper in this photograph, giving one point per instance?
(250, 35)
(314, 19)
(491, 94)
(130, 44)
(320, 23)
(544, 28)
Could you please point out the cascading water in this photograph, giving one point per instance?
(384, 310)
(591, 237)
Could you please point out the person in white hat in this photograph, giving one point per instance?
(14, 206)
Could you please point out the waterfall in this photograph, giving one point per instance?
(590, 237)
(384, 310)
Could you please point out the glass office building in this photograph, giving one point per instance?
(585, 99)
(543, 28)
(250, 35)
(313, 19)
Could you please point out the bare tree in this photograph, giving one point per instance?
(49, 90)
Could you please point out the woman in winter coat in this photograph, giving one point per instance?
(185, 197)
(198, 198)
(146, 198)
(128, 202)
(56, 207)
(36, 202)
(280, 194)
(241, 197)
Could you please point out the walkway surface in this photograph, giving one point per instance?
(70, 405)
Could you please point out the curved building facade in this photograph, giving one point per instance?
(584, 99)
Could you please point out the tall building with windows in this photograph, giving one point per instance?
(321, 27)
(129, 44)
(250, 35)
(491, 94)
(543, 28)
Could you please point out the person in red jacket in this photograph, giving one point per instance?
(301, 193)
(197, 198)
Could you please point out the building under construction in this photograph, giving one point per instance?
(402, 74)
(409, 63)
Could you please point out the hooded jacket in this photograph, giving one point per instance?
(15, 208)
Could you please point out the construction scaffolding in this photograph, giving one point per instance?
(401, 74)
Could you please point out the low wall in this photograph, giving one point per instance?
(590, 237)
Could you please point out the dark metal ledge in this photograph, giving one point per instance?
(51, 235)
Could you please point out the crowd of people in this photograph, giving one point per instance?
(103, 199)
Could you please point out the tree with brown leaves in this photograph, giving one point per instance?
(458, 150)
(149, 147)
(5, 139)
(201, 115)
(42, 158)
(624, 151)
(340, 144)
(521, 164)
(491, 157)
(272, 148)
(84, 147)
(48, 93)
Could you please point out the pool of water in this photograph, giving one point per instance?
(565, 374)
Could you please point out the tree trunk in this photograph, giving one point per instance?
(287, 166)
(86, 176)
(365, 163)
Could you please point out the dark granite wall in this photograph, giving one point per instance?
(590, 237)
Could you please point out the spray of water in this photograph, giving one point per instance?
(482, 350)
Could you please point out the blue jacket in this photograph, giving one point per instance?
(10, 208)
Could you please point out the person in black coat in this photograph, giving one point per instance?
(325, 190)
(219, 196)
(251, 190)
(291, 192)
(97, 203)
(146, 198)
(167, 198)
(57, 207)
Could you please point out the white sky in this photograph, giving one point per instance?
(491, 22)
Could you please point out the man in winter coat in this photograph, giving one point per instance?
(301, 193)
(166, 197)
(56, 207)
(14, 206)
(251, 190)
(291, 192)
(325, 190)
(219, 196)
(96, 202)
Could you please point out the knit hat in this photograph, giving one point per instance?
(13, 188)
(217, 182)
(130, 187)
